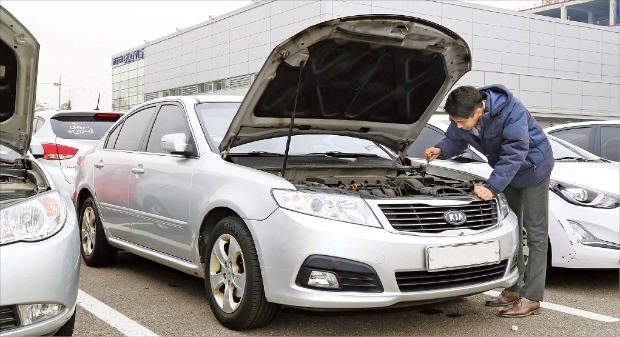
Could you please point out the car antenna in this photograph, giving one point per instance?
(290, 128)
(98, 98)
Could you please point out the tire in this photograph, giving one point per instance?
(67, 329)
(95, 249)
(233, 279)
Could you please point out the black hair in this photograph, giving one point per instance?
(463, 100)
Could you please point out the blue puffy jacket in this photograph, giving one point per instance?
(513, 142)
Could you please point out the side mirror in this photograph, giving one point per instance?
(36, 149)
(175, 143)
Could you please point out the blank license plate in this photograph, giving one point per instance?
(461, 256)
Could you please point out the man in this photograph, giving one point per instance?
(496, 123)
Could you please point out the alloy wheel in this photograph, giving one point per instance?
(88, 230)
(227, 273)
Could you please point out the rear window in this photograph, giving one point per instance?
(86, 128)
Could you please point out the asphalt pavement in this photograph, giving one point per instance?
(143, 297)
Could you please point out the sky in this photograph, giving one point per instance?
(78, 38)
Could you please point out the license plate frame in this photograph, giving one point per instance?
(458, 256)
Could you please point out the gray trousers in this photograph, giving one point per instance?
(531, 205)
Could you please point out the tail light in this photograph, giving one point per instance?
(58, 152)
(106, 116)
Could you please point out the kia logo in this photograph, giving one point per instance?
(454, 218)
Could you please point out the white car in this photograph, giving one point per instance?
(65, 136)
(584, 217)
(39, 237)
(601, 138)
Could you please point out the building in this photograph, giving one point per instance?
(560, 69)
(596, 12)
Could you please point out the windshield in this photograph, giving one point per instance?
(563, 150)
(80, 127)
(216, 117)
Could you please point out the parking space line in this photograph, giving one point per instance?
(115, 319)
(567, 310)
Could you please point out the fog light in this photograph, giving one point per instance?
(323, 279)
(33, 313)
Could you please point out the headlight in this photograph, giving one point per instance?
(33, 313)
(585, 237)
(504, 209)
(584, 196)
(34, 219)
(329, 206)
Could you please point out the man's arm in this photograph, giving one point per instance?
(453, 144)
(514, 151)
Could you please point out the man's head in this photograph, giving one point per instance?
(464, 106)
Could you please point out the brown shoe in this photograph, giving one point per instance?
(521, 308)
(505, 299)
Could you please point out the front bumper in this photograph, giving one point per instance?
(46, 271)
(566, 249)
(286, 239)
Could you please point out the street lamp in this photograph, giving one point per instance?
(59, 85)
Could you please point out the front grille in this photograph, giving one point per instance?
(425, 280)
(8, 318)
(424, 218)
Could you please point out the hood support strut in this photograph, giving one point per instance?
(290, 128)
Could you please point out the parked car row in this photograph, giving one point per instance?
(305, 192)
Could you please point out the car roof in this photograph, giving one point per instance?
(576, 124)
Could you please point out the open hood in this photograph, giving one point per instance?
(377, 77)
(19, 57)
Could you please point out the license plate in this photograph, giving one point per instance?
(462, 256)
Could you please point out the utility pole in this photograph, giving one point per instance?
(59, 85)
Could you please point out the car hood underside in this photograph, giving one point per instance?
(373, 77)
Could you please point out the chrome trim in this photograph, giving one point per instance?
(456, 201)
(147, 216)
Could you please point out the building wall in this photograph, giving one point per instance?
(559, 69)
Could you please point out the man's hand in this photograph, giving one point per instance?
(483, 192)
(432, 153)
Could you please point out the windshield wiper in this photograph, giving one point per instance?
(338, 154)
(580, 159)
(259, 154)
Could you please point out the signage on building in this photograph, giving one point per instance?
(129, 57)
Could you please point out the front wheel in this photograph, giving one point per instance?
(233, 279)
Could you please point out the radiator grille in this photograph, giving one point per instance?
(424, 218)
(8, 318)
(425, 280)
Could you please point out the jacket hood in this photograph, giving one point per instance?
(19, 56)
(377, 77)
(497, 97)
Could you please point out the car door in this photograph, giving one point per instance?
(162, 183)
(112, 170)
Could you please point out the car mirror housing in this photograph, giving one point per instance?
(175, 143)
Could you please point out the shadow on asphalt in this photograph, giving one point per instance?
(603, 279)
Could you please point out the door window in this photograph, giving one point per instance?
(576, 136)
(610, 142)
(170, 119)
(133, 129)
(112, 138)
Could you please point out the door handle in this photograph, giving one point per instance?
(138, 170)
(99, 165)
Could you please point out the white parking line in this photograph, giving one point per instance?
(567, 310)
(115, 319)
